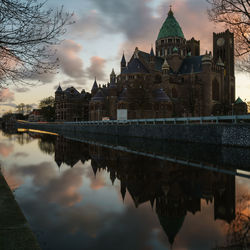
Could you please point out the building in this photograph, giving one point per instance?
(172, 80)
(36, 116)
(70, 105)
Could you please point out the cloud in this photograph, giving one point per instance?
(43, 77)
(69, 59)
(64, 190)
(6, 149)
(89, 26)
(96, 68)
(21, 90)
(140, 23)
(6, 95)
(12, 105)
(21, 154)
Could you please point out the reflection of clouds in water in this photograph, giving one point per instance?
(89, 227)
(13, 181)
(198, 230)
(21, 154)
(50, 186)
(64, 189)
(88, 224)
(6, 149)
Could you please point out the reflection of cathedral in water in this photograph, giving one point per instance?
(172, 189)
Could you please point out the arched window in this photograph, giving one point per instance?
(174, 93)
(215, 90)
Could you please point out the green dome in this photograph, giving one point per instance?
(170, 27)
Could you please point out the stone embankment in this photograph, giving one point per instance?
(219, 134)
(15, 233)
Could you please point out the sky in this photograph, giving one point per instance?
(94, 44)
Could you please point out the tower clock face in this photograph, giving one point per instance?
(220, 41)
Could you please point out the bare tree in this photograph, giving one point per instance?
(239, 230)
(235, 14)
(21, 108)
(27, 34)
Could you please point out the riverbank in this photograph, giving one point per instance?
(15, 231)
(237, 135)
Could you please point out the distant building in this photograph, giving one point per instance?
(239, 107)
(70, 105)
(36, 116)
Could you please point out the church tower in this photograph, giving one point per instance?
(170, 38)
(223, 47)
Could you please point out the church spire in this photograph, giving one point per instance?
(94, 87)
(152, 51)
(123, 63)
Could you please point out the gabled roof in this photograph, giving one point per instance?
(191, 64)
(160, 95)
(170, 27)
(135, 66)
(158, 60)
(124, 95)
(71, 91)
(99, 96)
(238, 101)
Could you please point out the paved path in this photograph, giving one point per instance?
(15, 233)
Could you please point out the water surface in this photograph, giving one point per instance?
(78, 195)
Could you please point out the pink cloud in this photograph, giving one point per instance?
(6, 95)
(6, 150)
(97, 183)
(69, 59)
(96, 68)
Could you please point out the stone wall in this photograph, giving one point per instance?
(219, 134)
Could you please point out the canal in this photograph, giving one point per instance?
(81, 193)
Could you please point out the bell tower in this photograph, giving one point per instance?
(223, 47)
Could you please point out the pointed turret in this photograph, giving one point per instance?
(220, 63)
(152, 58)
(123, 190)
(112, 77)
(136, 53)
(94, 88)
(165, 67)
(123, 63)
(152, 54)
(59, 89)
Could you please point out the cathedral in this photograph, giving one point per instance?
(172, 80)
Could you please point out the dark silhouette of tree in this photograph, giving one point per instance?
(235, 14)
(47, 106)
(27, 34)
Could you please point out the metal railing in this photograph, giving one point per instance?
(177, 120)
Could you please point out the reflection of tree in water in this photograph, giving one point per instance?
(239, 229)
(23, 138)
(20, 138)
(47, 144)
